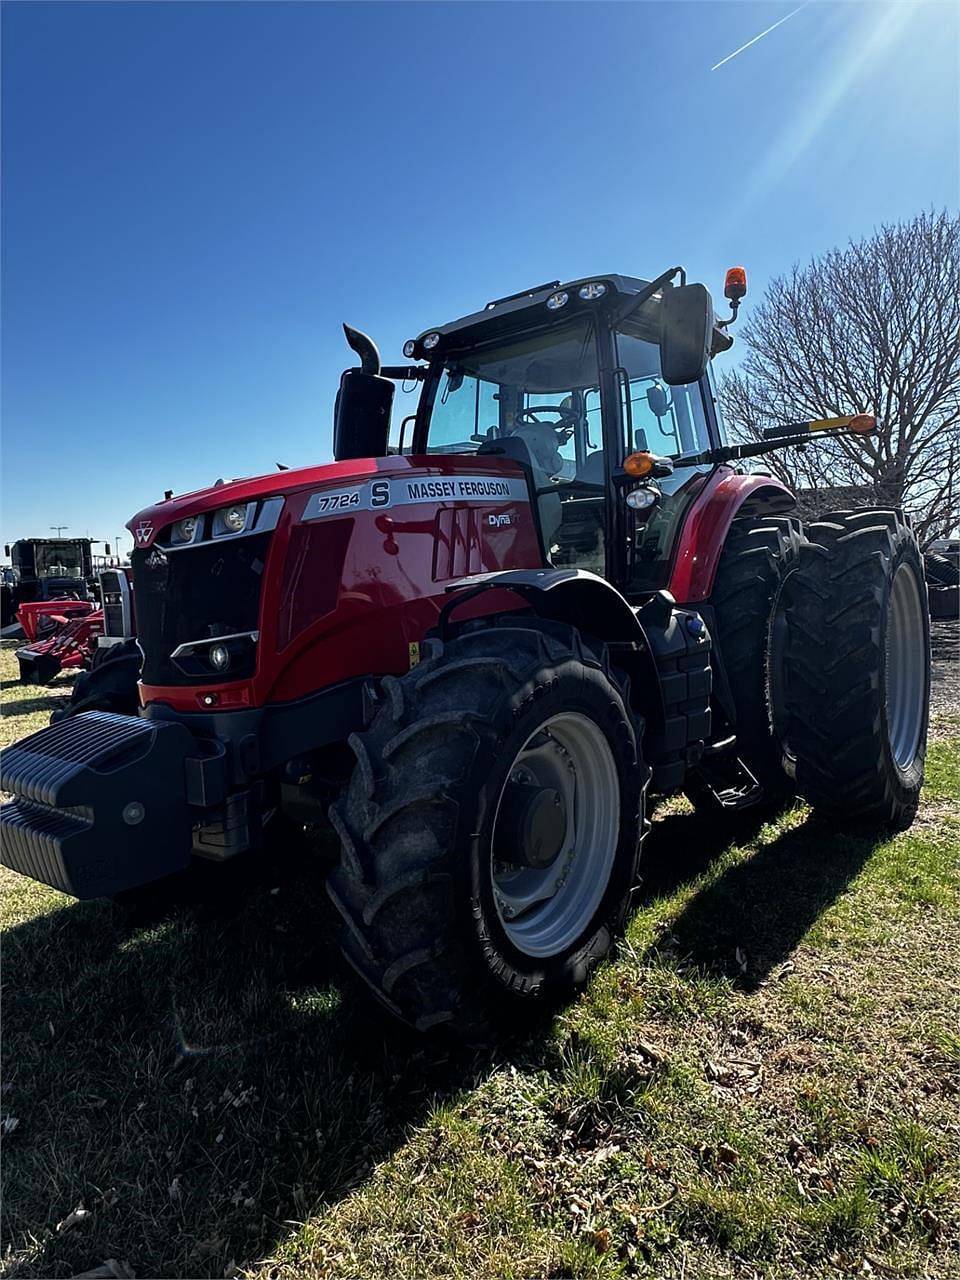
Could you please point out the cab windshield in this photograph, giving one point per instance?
(543, 389)
(59, 560)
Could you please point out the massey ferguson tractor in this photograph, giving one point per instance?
(478, 653)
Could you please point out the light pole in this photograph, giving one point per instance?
(59, 528)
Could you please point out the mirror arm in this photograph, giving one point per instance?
(405, 372)
(645, 294)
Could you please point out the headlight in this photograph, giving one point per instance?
(184, 530)
(430, 341)
(557, 300)
(595, 289)
(642, 499)
(409, 347)
(233, 518)
(219, 656)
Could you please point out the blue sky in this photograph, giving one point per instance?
(195, 195)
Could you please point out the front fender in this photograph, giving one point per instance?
(583, 599)
(588, 602)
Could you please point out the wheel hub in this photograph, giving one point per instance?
(531, 825)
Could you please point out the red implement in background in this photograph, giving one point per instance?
(39, 617)
(73, 644)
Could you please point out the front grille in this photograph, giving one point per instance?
(196, 594)
(113, 592)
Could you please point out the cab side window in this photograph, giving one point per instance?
(666, 420)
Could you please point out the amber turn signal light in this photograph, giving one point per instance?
(638, 464)
(863, 424)
(735, 284)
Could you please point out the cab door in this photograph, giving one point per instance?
(676, 422)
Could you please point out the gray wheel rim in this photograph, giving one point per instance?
(905, 667)
(544, 911)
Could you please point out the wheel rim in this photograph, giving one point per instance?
(905, 685)
(544, 910)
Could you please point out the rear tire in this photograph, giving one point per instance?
(418, 887)
(758, 556)
(855, 668)
(940, 571)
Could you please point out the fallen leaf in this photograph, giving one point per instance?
(74, 1219)
(112, 1269)
(741, 956)
(173, 1191)
(656, 1056)
(208, 1247)
(601, 1240)
(8, 1124)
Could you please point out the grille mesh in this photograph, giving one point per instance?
(195, 594)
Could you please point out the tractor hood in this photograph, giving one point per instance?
(147, 524)
(264, 496)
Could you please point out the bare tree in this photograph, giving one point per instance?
(873, 328)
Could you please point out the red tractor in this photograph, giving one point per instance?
(479, 655)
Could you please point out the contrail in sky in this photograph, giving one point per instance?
(760, 36)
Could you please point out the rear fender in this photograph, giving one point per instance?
(724, 497)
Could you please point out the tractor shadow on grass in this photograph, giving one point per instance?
(201, 1074)
(26, 706)
(35, 698)
(763, 905)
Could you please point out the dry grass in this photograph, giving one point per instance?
(765, 1083)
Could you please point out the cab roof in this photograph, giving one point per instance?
(526, 310)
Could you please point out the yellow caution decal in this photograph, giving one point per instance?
(860, 423)
(414, 650)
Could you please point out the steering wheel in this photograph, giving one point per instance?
(564, 428)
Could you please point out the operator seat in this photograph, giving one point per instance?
(592, 471)
(514, 447)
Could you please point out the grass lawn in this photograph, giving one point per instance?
(765, 1083)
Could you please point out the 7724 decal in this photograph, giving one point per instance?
(375, 495)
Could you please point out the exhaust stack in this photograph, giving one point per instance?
(365, 348)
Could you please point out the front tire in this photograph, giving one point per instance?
(855, 668)
(515, 731)
(111, 684)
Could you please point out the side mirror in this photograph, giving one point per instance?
(686, 333)
(6, 549)
(106, 549)
(361, 416)
(658, 402)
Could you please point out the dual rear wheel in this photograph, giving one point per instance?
(492, 826)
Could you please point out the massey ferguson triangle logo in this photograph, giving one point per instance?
(143, 532)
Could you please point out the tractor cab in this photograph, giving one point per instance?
(51, 568)
(570, 381)
(572, 385)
